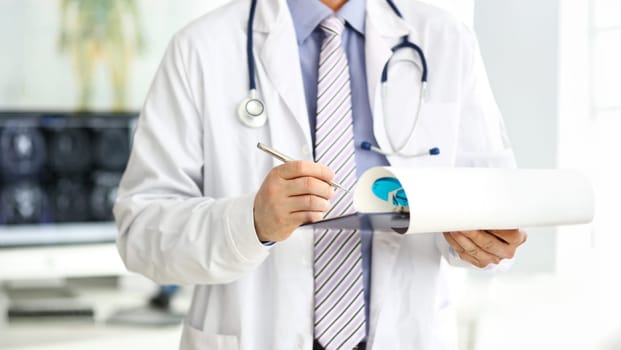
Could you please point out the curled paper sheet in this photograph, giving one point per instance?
(453, 199)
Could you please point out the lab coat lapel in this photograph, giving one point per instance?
(279, 59)
(280, 79)
(383, 30)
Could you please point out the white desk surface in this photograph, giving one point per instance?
(69, 334)
(33, 336)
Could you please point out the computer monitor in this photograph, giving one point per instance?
(58, 178)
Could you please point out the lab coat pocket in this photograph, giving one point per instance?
(192, 338)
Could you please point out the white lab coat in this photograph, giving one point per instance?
(185, 204)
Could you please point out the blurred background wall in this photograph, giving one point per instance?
(553, 66)
(56, 43)
(518, 41)
(67, 43)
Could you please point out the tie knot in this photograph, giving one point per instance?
(332, 25)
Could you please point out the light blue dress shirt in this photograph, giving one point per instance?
(307, 14)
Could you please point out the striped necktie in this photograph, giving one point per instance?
(339, 290)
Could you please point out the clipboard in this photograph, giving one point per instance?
(377, 222)
(458, 199)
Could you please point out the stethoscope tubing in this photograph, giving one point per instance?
(249, 42)
(258, 120)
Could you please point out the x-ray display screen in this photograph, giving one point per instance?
(59, 170)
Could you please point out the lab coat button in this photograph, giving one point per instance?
(306, 150)
(300, 343)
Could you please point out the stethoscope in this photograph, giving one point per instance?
(252, 113)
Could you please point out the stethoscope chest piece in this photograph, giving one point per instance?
(251, 112)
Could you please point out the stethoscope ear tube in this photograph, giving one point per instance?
(367, 146)
(249, 55)
(251, 110)
(398, 151)
(407, 44)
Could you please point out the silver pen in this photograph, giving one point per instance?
(284, 158)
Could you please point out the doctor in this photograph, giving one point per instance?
(199, 205)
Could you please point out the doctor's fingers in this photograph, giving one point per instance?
(469, 251)
(309, 185)
(302, 168)
(304, 217)
(307, 202)
(462, 255)
(514, 237)
(492, 243)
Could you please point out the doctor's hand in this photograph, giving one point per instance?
(292, 194)
(484, 247)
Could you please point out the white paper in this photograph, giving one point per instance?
(454, 199)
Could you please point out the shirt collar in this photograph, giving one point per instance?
(307, 14)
